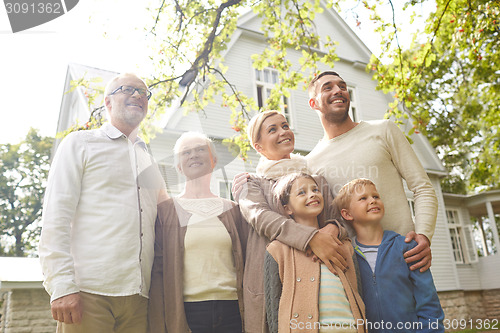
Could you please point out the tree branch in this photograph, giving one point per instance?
(234, 90)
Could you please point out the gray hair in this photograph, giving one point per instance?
(193, 135)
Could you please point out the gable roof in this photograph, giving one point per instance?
(351, 51)
(75, 72)
(350, 47)
(74, 104)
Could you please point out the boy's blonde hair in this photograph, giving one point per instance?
(283, 186)
(343, 198)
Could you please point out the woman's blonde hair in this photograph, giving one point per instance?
(253, 128)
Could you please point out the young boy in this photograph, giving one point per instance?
(396, 298)
(302, 295)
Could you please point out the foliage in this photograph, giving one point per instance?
(446, 82)
(24, 169)
(450, 86)
(201, 30)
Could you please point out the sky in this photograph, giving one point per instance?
(103, 34)
(33, 63)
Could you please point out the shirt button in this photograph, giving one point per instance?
(299, 279)
(310, 316)
(295, 315)
(312, 279)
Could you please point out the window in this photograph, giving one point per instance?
(225, 189)
(266, 79)
(352, 108)
(461, 238)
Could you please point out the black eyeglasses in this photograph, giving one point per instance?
(129, 90)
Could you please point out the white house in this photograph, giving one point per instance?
(468, 285)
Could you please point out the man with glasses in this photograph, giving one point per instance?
(96, 247)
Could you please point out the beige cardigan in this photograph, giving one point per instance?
(300, 278)
(166, 300)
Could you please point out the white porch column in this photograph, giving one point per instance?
(493, 225)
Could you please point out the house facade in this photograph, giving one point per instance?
(468, 284)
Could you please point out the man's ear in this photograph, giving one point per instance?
(346, 215)
(107, 102)
(312, 103)
(288, 211)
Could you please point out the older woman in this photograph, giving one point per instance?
(272, 138)
(199, 251)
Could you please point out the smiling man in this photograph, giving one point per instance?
(96, 247)
(377, 150)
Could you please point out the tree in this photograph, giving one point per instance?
(450, 85)
(446, 82)
(24, 169)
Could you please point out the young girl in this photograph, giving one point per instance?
(302, 295)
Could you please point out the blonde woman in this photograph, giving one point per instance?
(270, 135)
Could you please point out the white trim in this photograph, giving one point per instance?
(353, 106)
(470, 244)
(11, 285)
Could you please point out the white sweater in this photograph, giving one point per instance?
(379, 151)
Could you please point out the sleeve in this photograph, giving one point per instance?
(272, 291)
(156, 311)
(407, 163)
(60, 203)
(268, 223)
(428, 308)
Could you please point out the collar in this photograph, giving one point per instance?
(275, 169)
(114, 133)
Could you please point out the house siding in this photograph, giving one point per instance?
(468, 275)
(371, 104)
(461, 287)
(489, 271)
(443, 264)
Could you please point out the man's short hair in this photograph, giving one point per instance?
(112, 83)
(283, 186)
(311, 89)
(343, 198)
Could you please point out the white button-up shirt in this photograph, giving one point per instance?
(99, 214)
